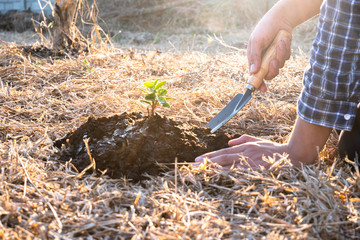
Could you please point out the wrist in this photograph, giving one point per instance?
(306, 141)
(276, 20)
(297, 157)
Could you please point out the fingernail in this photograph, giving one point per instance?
(252, 68)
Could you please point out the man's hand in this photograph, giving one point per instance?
(285, 15)
(306, 139)
(245, 152)
(305, 142)
(258, 44)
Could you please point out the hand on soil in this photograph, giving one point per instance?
(245, 152)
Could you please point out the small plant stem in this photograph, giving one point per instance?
(152, 112)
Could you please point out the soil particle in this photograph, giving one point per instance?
(131, 145)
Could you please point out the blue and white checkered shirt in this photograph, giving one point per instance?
(332, 81)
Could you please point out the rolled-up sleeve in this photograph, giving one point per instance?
(332, 80)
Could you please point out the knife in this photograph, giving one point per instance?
(254, 82)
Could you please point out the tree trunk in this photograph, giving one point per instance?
(64, 23)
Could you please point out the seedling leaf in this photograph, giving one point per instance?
(161, 100)
(150, 97)
(144, 102)
(166, 105)
(143, 90)
(162, 92)
(159, 85)
(149, 84)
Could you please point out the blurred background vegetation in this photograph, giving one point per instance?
(201, 25)
(233, 19)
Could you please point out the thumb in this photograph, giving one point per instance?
(243, 139)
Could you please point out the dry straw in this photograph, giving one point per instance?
(42, 99)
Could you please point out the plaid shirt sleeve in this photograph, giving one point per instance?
(332, 81)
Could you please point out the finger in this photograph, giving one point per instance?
(254, 52)
(263, 88)
(281, 53)
(199, 159)
(211, 155)
(243, 163)
(227, 159)
(288, 48)
(243, 139)
(273, 69)
(224, 151)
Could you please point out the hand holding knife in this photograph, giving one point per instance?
(254, 82)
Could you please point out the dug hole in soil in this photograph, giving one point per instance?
(132, 146)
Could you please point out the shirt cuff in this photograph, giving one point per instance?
(339, 115)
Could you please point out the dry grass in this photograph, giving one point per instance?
(43, 99)
(173, 25)
(211, 15)
(170, 20)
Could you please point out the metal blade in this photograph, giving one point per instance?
(229, 111)
(215, 123)
(244, 100)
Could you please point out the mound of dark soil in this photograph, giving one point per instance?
(131, 145)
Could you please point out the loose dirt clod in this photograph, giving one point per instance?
(131, 145)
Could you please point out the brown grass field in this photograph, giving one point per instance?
(44, 98)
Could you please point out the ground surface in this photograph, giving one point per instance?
(130, 145)
(47, 192)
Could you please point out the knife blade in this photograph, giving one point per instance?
(254, 82)
(233, 107)
(225, 114)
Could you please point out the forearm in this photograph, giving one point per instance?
(287, 14)
(306, 141)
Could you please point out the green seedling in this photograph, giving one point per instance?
(87, 66)
(38, 63)
(154, 96)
